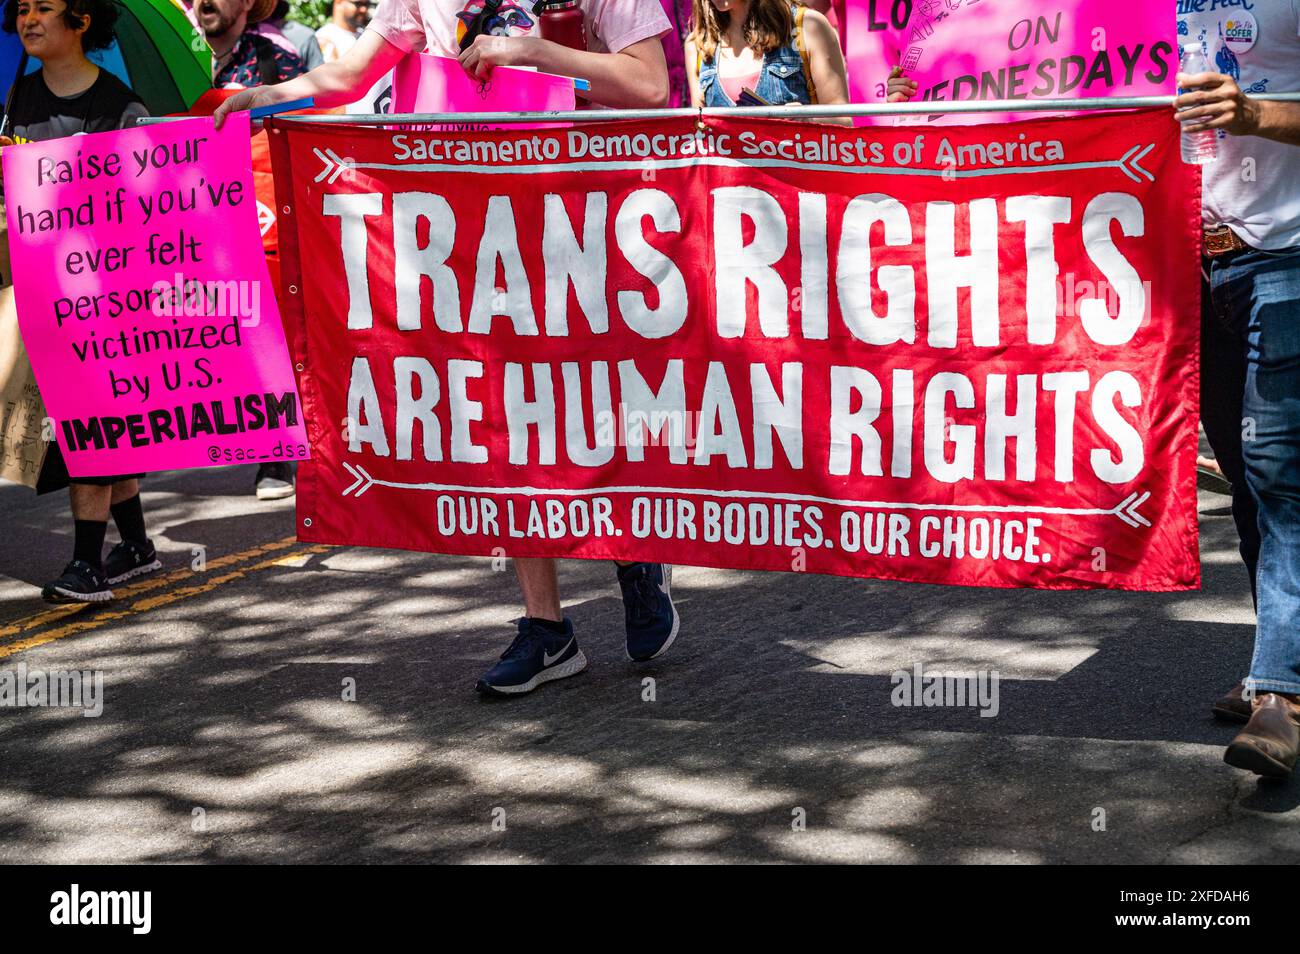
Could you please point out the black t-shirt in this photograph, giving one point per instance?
(37, 115)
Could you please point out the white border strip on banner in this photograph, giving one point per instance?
(334, 165)
(931, 108)
(1126, 509)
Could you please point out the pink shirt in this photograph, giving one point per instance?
(735, 84)
(436, 26)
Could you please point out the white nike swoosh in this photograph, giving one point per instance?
(547, 658)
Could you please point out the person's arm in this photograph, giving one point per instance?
(1215, 101)
(636, 77)
(331, 84)
(693, 74)
(825, 60)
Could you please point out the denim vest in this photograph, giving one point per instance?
(782, 80)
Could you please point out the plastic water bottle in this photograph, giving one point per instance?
(1199, 148)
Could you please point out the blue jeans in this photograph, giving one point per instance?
(1250, 396)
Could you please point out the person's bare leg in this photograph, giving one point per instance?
(125, 490)
(540, 588)
(90, 502)
(546, 648)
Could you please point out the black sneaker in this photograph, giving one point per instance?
(651, 617)
(274, 481)
(80, 583)
(536, 656)
(128, 560)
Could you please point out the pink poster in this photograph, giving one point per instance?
(144, 299)
(1011, 49)
(424, 83)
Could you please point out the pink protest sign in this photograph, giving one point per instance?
(424, 83)
(144, 300)
(1011, 49)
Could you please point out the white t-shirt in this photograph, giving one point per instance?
(1254, 184)
(335, 41)
(436, 26)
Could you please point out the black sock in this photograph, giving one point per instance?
(88, 545)
(550, 625)
(129, 517)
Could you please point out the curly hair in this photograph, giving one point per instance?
(103, 18)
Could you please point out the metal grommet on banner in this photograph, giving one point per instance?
(298, 367)
(293, 289)
(699, 121)
(286, 210)
(306, 521)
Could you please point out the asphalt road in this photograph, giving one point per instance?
(225, 735)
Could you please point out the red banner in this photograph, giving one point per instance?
(951, 356)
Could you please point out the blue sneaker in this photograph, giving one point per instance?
(536, 656)
(652, 619)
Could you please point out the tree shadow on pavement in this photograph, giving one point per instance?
(767, 734)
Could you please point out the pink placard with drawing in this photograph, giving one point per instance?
(1011, 49)
(424, 83)
(144, 299)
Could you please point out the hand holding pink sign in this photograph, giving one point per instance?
(423, 83)
(144, 299)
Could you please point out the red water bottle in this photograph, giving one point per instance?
(562, 22)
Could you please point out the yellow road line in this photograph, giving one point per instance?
(162, 599)
(21, 626)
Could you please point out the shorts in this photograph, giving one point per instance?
(54, 474)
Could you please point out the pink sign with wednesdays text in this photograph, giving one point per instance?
(144, 299)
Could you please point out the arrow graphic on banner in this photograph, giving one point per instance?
(334, 165)
(1128, 163)
(1126, 510)
(363, 480)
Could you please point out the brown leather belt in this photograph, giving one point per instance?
(1221, 240)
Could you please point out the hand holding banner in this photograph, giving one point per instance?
(144, 299)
